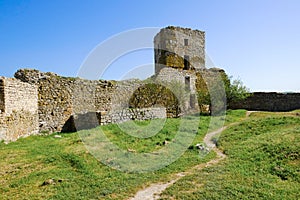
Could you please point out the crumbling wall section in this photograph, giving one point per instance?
(124, 91)
(55, 103)
(60, 98)
(103, 95)
(19, 113)
(210, 86)
(19, 96)
(18, 124)
(2, 103)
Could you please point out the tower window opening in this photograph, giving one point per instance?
(186, 62)
(186, 42)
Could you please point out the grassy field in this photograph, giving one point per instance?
(45, 167)
(263, 162)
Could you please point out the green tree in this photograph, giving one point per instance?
(236, 91)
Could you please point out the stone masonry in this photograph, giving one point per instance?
(62, 101)
(179, 54)
(180, 48)
(269, 101)
(18, 95)
(2, 103)
(19, 109)
(185, 78)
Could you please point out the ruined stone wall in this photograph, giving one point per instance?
(18, 124)
(183, 84)
(132, 114)
(271, 101)
(210, 85)
(19, 96)
(91, 120)
(2, 105)
(62, 98)
(123, 93)
(19, 112)
(46, 102)
(55, 103)
(177, 47)
(104, 95)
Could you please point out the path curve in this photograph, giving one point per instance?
(153, 191)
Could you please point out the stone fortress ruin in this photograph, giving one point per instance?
(179, 53)
(35, 102)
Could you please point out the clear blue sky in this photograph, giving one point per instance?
(255, 40)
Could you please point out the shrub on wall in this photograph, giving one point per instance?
(151, 94)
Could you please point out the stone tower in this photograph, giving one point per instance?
(179, 54)
(180, 48)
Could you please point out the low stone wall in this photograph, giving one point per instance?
(90, 120)
(79, 122)
(18, 124)
(119, 116)
(271, 101)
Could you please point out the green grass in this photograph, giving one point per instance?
(28, 162)
(263, 159)
(233, 116)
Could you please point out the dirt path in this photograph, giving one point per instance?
(153, 191)
(248, 113)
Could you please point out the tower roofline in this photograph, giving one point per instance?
(178, 28)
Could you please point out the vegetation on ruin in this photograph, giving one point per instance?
(170, 94)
